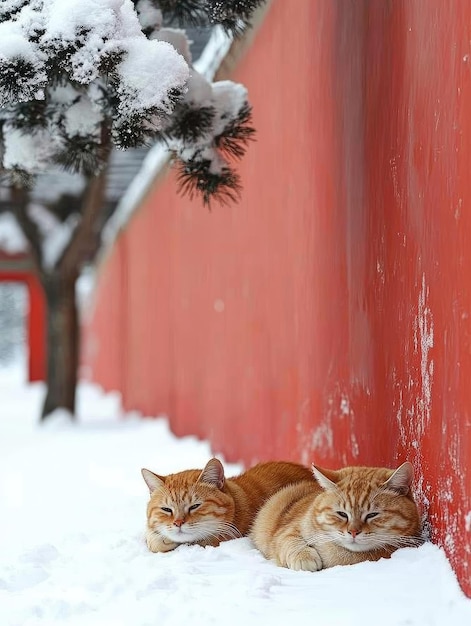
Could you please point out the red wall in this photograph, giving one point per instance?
(327, 316)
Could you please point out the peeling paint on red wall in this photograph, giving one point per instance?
(327, 316)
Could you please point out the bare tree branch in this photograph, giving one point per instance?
(85, 240)
(20, 201)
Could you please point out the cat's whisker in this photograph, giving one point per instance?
(230, 530)
(417, 541)
(393, 541)
(220, 534)
(220, 530)
(373, 540)
(208, 536)
(320, 538)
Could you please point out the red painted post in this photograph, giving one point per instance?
(36, 330)
(36, 317)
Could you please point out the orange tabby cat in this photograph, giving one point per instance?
(201, 506)
(346, 516)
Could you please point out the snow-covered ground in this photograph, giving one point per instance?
(72, 513)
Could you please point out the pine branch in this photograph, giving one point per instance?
(137, 129)
(134, 131)
(84, 155)
(7, 11)
(28, 116)
(183, 12)
(19, 81)
(228, 9)
(61, 52)
(16, 177)
(234, 140)
(190, 124)
(233, 15)
(195, 178)
(110, 61)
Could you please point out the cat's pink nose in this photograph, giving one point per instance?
(178, 522)
(354, 532)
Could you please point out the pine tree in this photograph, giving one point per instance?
(81, 77)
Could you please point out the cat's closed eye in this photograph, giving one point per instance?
(166, 509)
(370, 516)
(342, 514)
(194, 506)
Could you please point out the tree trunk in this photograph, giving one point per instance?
(59, 285)
(62, 342)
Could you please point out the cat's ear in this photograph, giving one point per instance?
(152, 480)
(213, 474)
(325, 478)
(401, 479)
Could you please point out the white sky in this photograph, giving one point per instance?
(72, 550)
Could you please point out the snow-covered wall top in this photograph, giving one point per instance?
(158, 157)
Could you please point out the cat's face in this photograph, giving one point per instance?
(190, 506)
(363, 509)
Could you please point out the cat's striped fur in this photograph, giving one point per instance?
(203, 507)
(346, 516)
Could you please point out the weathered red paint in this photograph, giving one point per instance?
(327, 316)
(36, 320)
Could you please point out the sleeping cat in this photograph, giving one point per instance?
(346, 516)
(201, 506)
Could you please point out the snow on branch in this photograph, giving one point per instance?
(233, 15)
(89, 64)
(205, 167)
(78, 77)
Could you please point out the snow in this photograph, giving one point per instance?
(14, 45)
(149, 15)
(66, 18)
(82, 118)
(177, 38)
(199, 89)
(27, 151)
(73, 552)
(57, 241)
(141, 87)
(55, 235)
(12, 240)
(44, 219)
(106, 27)
(229, 98)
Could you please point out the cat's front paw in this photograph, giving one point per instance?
(157, 543)
(306, 559)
